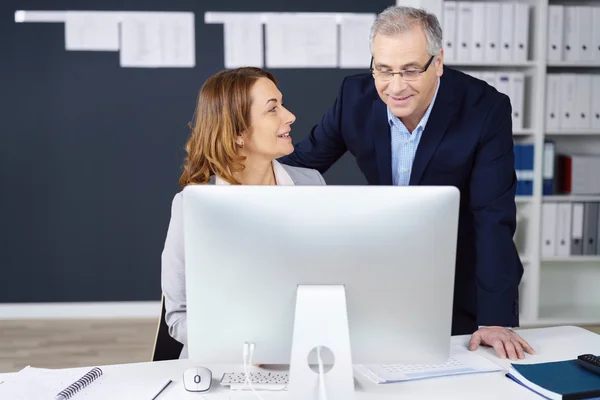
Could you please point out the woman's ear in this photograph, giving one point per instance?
(239, 140)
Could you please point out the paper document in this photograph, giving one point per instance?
(92, 30)
(44, 384)
(354, 40)
(156, 39)
(301, 40)
(461, 362)
(243, 40)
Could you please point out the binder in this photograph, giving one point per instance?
(585, 178)
(489, 77)
(584, 33)
(553, 102)
(596, 33)
(548, 169)
(584, 99)
(518, 150)
(571, 34)
(590, 227)
(503, 83)
(517, 93)
(450, 20)
(527, 153)
(477, 31)
(595, 103)
(598, 234)
(555, 32)
(507, 11)
(492, 32)
(464, 31)
(521, 38)
(557, 380)
(564, 174)
(563, 230)
(568, 101)
(577, 229)
(549, 215)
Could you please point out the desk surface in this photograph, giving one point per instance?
(551, 344)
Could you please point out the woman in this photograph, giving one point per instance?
(240, 128)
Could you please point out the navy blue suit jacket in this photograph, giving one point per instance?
(467, 143)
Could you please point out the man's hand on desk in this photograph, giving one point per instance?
(506, 342)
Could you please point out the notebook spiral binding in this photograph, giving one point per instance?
(81, 383)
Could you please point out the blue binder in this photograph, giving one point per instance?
(527, 168)
(518, 169)
(559, 380)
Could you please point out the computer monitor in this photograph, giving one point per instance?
(249, 248)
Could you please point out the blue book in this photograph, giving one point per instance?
(557, 380)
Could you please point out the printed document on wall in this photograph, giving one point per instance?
(92, 30)
(243, 40)
(298, 40)
(354, 38)
(157, 39)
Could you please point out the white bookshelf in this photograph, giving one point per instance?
(574, 64)
(558, 290)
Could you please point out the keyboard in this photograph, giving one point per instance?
(276, 381)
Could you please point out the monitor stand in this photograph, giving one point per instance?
(321, 321)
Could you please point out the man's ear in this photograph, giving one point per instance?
(439, 63)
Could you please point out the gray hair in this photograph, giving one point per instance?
(397, 19)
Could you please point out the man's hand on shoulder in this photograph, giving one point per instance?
(506, 342)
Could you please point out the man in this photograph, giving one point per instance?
(413, 121)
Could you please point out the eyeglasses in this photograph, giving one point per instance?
(407, 75)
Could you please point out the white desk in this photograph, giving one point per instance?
(551, 344)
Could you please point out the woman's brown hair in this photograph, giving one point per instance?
(222, 112)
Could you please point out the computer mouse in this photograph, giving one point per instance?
(197, 379)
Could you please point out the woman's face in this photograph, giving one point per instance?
(270, 124)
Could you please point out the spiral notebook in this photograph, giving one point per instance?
(78, 384)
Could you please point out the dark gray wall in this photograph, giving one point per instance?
(90, 153)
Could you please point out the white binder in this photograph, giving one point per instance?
(517, 93)
(568, 102)
(596, 34)
(477, 31)
(571, 34)
(553, 102)
(583, 89)
(503, 83)
(563, 230)
(489, 77)
(577, 228)
(492, 32)
(595, 112)
(584, 35)
(507, 22)
(555, 32)
(521, 38)
(464, 31)
(450, 19)
(548, 233)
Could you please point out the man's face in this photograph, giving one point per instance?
(406, 51)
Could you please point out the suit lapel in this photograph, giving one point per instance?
(383, 142)
(441, 115)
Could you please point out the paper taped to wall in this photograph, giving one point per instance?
(354, 40)
(92, 31)
(157, 39)
(243, 40)
(301, 40)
